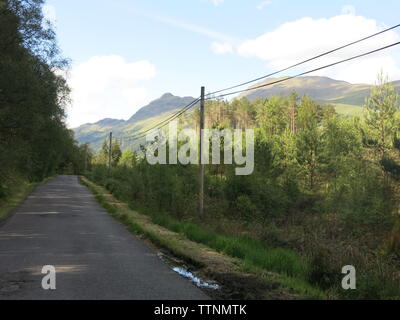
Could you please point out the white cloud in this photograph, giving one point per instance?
(295, 41)
(366, 70)
(107, 87)
(221, 47)
(264, 4)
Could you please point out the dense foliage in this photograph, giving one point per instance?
(34, 140)
(324, 185)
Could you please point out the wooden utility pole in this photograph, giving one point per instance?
(201, 193)
(110, 153)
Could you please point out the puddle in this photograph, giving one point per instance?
(197, 281)
(181, 269)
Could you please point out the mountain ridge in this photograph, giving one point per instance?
(322, 89)
(152, 113)
(167, 102)
(345, 96)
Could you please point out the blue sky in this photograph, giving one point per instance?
(126, 53)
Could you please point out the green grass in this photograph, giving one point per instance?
(304, 289)
(16, 196)
(287, 266)
(250, 251)
(255, 257)
(348, 110)
(103, 202)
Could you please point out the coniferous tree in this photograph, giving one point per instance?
(381, 108)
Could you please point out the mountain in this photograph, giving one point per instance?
(166, 103)
(346, 97)
(321, 89)
(154, 112)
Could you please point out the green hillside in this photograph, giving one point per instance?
(348, 110)
(153, 113)
(346, 97)
(321, 89)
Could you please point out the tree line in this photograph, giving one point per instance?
(324, 184)
(34, 140)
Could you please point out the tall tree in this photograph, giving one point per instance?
(292, 110)
(381, 108)
(33, 135)
(116, 154)
(309, 142)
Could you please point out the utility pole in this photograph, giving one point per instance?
(201, 193)
(109, 154)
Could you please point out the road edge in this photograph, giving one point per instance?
(11, 205)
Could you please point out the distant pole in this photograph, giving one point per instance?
(201, 193)
(109, 153)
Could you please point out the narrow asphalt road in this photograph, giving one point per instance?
(61, 224)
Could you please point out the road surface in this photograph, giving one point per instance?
(61, 224)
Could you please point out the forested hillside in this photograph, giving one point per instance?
(34, 141)
(324, 192)
(155, 111)
(346, 98)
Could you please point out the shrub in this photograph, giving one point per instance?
(272, 236)
(245, 207)
(3, 192)
(323, 271)
(389, 165)
(374, 287)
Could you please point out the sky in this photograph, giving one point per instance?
(126, 53)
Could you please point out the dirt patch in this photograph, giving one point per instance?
(238, 286)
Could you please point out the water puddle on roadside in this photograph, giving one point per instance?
(181, 269)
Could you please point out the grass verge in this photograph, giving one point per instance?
(245, 268)
(18, 195)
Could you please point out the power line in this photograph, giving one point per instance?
(307, 72)
(186, 108)
(190, 105)
(305, 61)
(165, 122)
